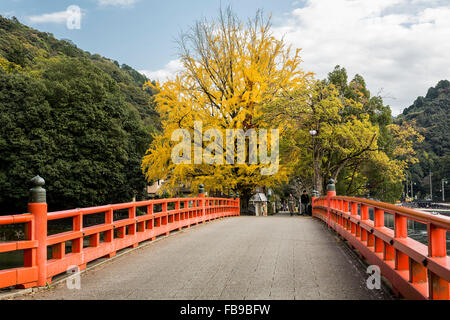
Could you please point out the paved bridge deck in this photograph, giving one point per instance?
(279, 257)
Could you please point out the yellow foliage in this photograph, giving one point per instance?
(229, 70)
(404, 138)
(8, 66)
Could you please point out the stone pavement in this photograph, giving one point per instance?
(278, 257)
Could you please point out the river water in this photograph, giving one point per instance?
(416, 230)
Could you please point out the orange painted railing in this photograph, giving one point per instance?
(415, 270)
(38, 270)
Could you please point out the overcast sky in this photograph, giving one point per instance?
(400, 47)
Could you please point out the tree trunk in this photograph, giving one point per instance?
(318, 177)
(319, 183)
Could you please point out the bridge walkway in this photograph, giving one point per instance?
(278, 257)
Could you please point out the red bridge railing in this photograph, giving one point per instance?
(142, 222)
(415, 270)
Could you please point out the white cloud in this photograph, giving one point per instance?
(71, 17)
(55, 17)
(400, 46)
(119, 3)
(168, 72)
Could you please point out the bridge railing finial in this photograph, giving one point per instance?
(331, 186)
(201, 189)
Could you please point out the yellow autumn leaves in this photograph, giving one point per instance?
(229, 71)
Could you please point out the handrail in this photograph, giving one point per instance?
(413, 214)
(87, 243)
(415, 270)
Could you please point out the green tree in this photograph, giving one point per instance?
(81, 121)
(374, 181)
(70, 124)
(356, 143)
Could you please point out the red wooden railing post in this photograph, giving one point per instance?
(314, 196)
(400, 232)
(378, 218)
(178, 215)
(354, 208)
(400, 226)
(132, 227)
(354, 212)
(331, 192)
(37, 206)
(378, 223)
(165, 218)
(438, 288)
(437, 244)
(364, 212)
(232, 204)
(345, 222)
(238, 205)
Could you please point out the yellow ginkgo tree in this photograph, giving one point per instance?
(229, 70)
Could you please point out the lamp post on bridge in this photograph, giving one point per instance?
(313, 134)
(431, 187)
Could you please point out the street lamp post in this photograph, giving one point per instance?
(406, 185)
(313, 133)
(431, 187)
(410, 184)
(443, 189)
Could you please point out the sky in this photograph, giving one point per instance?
(400, 47)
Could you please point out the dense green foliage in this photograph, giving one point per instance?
(366, 177)
(79, 120)
(431, 115)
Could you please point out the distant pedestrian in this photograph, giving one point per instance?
(291, 203)
(304, 200)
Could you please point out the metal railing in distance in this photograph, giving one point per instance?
(415, 270)
(141, 222)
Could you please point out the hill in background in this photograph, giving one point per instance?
(81, 121)
(26, 47)
(431, 116)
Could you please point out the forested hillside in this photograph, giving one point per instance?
(431, 115)
(81, 121)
